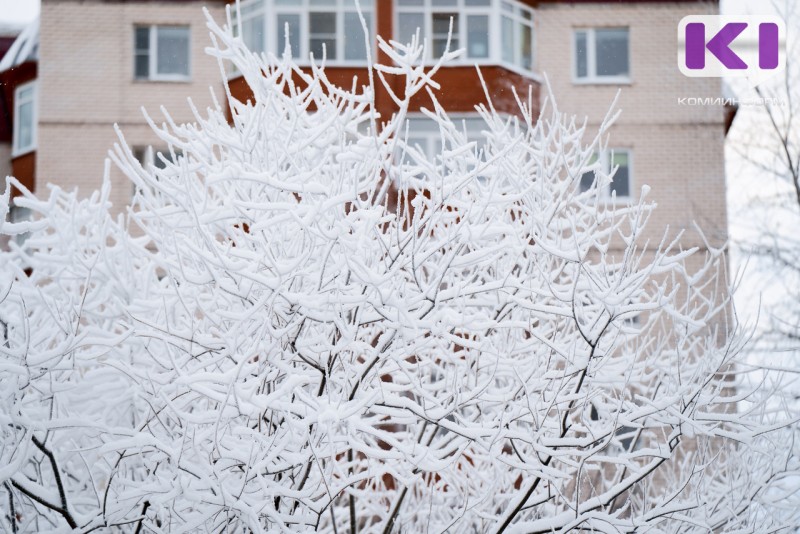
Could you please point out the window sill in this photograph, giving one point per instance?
(602, 81)
(22, 152)
(162, 80)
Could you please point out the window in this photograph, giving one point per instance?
(432, 17)
(24, 119)
(19, 214)
(158, 159)
(320, 27)
(150, 158)
(161, 53)
(608, 160)
(517, 32)
(474, 23)
(425, 136)
(602, 55)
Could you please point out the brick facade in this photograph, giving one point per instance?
(677, 150)
(86, 85)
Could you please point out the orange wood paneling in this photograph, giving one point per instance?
(24, 169)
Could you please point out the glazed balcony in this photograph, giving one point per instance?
(496, 35)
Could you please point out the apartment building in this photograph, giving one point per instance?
(84, 66)
(65, 97)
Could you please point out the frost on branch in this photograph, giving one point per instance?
(305, 324)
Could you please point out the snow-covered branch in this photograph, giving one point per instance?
(303, 323)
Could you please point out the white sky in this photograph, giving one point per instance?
(18, 12)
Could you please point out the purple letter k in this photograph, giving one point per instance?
(718, 45)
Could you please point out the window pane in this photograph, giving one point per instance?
(438, 3)
(525, 46)
(253, 33)
(325, 46)
(142, 66)
(581, 55)
(142, 39)
(18, 214)
(508, 40)
(173, 50)
(25, 94)
(140, 154)
(441, 29)
(24, 121)
(621, 183)
(321, 23)
(410, 2)
(441, 23)
(322, 34)
(249, 8)
(365, 4)
(587, 178)
(477, 36)
(612, 52)
(293, 21)
(407, 26)
(141, 58)
(355, 46)
(477, 2)
(162, 159)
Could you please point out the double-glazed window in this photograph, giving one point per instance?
(425, 136)
(608, 160)
(19, 214)
(602, 55)
(474, 23)
(152, 158)
(490, 31)
(331, 28)
(24, 136)
(161, 53)
(470, 19)
(517, 32)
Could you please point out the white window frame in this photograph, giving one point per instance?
(427, 130)
(475, 126)
(604, 160)
(269, 10)
(152, 74)
(496, 11)
(591, 58)
(18, 150)
(513, 11)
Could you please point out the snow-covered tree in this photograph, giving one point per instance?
(303, 323)
(764, 145)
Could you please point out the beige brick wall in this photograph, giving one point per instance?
(86, 85)
(677, 149)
